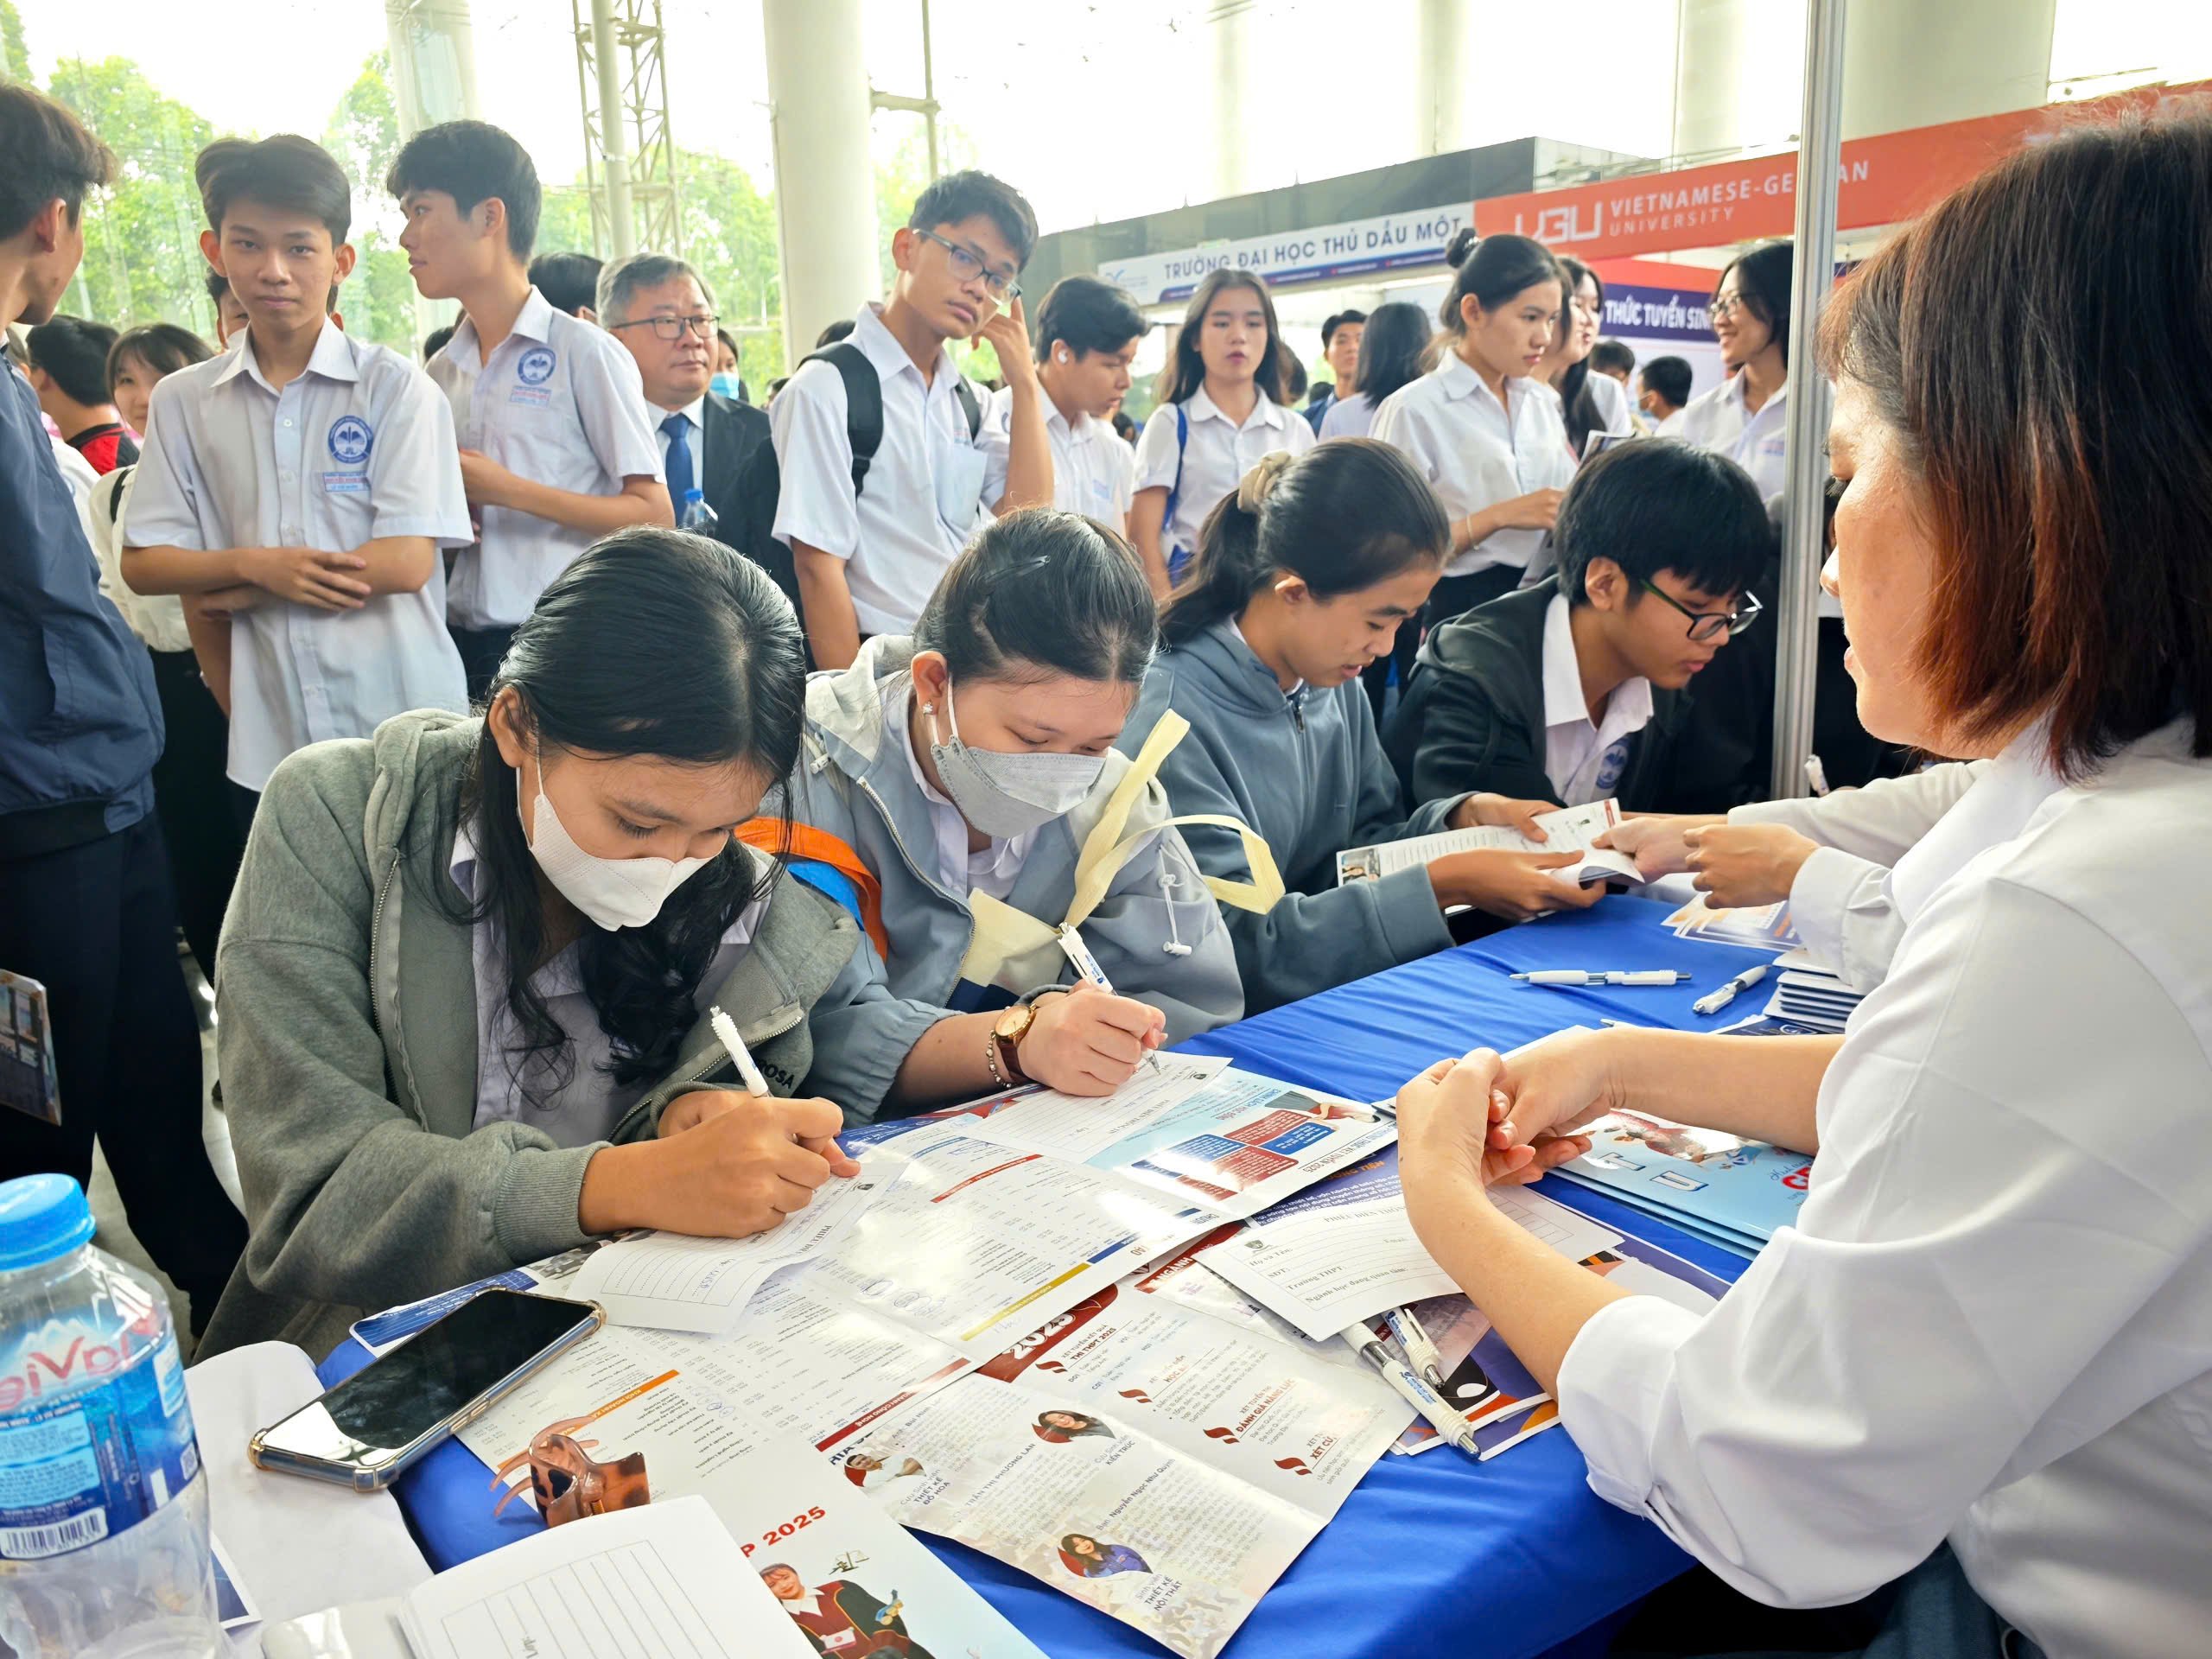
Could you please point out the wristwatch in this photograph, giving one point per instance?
(1003, 1050)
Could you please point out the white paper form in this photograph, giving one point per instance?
(1077, 1126)
(803, 1364)
(670, 1281)
(978, 1242)
(1345, 1251)
(666, 1581)
(1235, 1144)
(1570, 829)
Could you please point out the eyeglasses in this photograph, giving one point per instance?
(967, 267)
(1710, 625)
(1726, 305)
(672, 329)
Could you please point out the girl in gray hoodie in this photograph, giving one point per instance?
(466, 973)
(1303, 577)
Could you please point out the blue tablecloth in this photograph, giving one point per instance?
(1429, 1554)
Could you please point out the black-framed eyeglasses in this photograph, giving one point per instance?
(672, 329)
(1726, 305)
(1710, 625)
(967, 267)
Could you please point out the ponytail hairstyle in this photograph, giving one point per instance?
(1577, 407)
(1187, 370)
(595, 671)
(1390, 351)
(1042, 593)
(1494, 269)
(1343, 516)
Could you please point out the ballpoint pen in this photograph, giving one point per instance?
(1713, 1002)
(1412, 1388)
(1604, 976)
(1087, 968)
(1420, 1350)
(724, 1030)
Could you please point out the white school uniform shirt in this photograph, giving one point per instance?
(1992, 1320)
(1715, 420)
(1475, 452)
(1348, 417)
(560, 403)
(590, 1102)
(1094, 472)
(924, 498)
(1214, 460)
(990, 869)
(1585, 761)
(359, 446)
(1841, 899)
(157, 619)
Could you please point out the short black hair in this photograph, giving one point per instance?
(1670, 377)
(218, 285)
(958, 196)
(1293, 380)
(50, 154)
(832, 333)
(1039, 593)
(286, 171)
(1609, 354)
(473, 162)
(435, 341)
(162, 346)
(1763, 279)
(75, 353)
(1090, 315)
(568, 281)
(1329, 328)
(1655, 504)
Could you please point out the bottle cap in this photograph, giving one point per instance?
(42, 1218)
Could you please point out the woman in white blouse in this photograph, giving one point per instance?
(1483, 432)
(1587, 402)
(1979, 1368)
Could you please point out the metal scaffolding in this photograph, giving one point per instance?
(629, 155)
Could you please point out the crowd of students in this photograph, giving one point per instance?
(494, 782)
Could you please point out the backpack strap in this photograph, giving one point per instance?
(863, 403)
(1175, 490)
(966, 394)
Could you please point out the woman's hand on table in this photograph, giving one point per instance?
(1455, 1135)
(1747, 863)
(732, 1164)
(1514, 886)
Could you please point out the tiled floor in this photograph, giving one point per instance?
(114, 1235)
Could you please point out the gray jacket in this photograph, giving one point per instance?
(1308, 773)
(349, 1038)
(853, 782)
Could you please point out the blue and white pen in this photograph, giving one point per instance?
(1088, 971)
(1420, 1351)
(1412, 1387)
(1713, 1002)
(1603, 976)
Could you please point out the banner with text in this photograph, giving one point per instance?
(1358, 247)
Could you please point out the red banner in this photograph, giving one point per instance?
(1884, 179)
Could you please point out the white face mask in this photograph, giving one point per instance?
(611, 891)
(1007, 795)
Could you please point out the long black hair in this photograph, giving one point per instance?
(1763, 279)
(653, 642)
(1494, 269)
(1040, 592)
(1343, 516)
(1390, 351)
(1187, 370)
(1577, 407)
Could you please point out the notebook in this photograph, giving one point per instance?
(1570, 829)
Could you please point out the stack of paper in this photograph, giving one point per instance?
(1758, 927)
(1811, 996)
(1571, 829)
(1733, 1192)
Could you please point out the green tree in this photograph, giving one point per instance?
(363, 133)
(729, 234)
(142, 236)
(15, 55)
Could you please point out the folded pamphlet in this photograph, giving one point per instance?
(1571, 829)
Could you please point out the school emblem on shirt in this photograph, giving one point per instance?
(535, 366)
(350, 438)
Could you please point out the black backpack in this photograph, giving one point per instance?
(761, 481)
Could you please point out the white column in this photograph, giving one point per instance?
(825, 205)
(432, 46)
(1229, 94)
(1907, 63)
(1442, 88)
(607, 56)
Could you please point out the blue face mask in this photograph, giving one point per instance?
(725, 383)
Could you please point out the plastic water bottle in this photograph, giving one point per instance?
(103, 1550)
(696, 516)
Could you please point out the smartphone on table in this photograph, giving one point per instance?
(365, 1431)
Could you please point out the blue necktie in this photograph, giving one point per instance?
(680, 481)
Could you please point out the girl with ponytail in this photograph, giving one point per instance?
(1480, 427)
(1303, 577)
(1588, 402)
